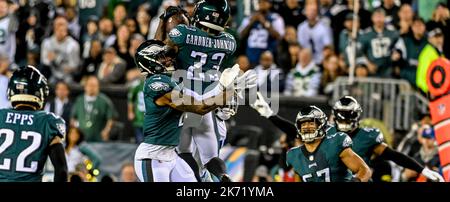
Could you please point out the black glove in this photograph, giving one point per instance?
(170, 11)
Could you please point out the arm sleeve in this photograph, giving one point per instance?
(56, 154)
(401, 159)
(284, 125)
(278, 25)
(44, 51)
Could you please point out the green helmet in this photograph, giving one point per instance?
(213, 14)
(152, 57)
(311, 114)
(27, 86)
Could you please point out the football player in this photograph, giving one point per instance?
(28, 135)
(366, 141)
(202, 49)
(165, 101)
(324, 157)
(369, 141)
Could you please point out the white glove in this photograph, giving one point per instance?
(225, 113)
(228, 77)
(262, 106)
(432, 175)
(246, 80)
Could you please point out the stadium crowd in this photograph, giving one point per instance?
(303, 45)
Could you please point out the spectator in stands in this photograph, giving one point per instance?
(127, 173)
(284, 57)
(73, 26)
(338, 26)
(314, 34)
(361, 70)
(61, 104)
(61, 53)
(432, 51)
(406, 17)
(268, 73)
(408, 48)
(283, 172)
(112, 69)
(29, 36)
(376, 45)
(119, 15)
(122, 46)
(294, 50)
(391, 11)
(131, 25)
(304, 79)
(4, 79)
(106, 35)
(93, 112)
(331, 70)
(262, 30)
(136, 107)
(91, 64)
(8, 27)
(91, 34)
(143, 19)
(441, 19)
(428, 155)
(292, 13)
(80, 158)
(329, 9)
(345, 38)
(135, 41)
(243, 62)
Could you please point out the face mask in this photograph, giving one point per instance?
(344, 127)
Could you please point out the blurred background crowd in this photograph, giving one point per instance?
(85, 48)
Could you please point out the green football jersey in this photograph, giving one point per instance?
(24, 139)
(201, 55)
(136, 97)
(377, 48)
(162, 124)
(364, 141)
(324, 164)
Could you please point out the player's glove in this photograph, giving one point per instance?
(228, 77)
(225, 113)
(247, 80)
(170, 11)
(261, 106)
(432, 175)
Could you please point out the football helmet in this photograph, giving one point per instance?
(152, 57)
(28, 86)
(213, 14)
(311, 114)
(347, 113)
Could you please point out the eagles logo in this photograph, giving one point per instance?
(151, 50)
(174, 33)
(347, 142)
(158, 86)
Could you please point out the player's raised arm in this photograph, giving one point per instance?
(356, 165)
(228, 79)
